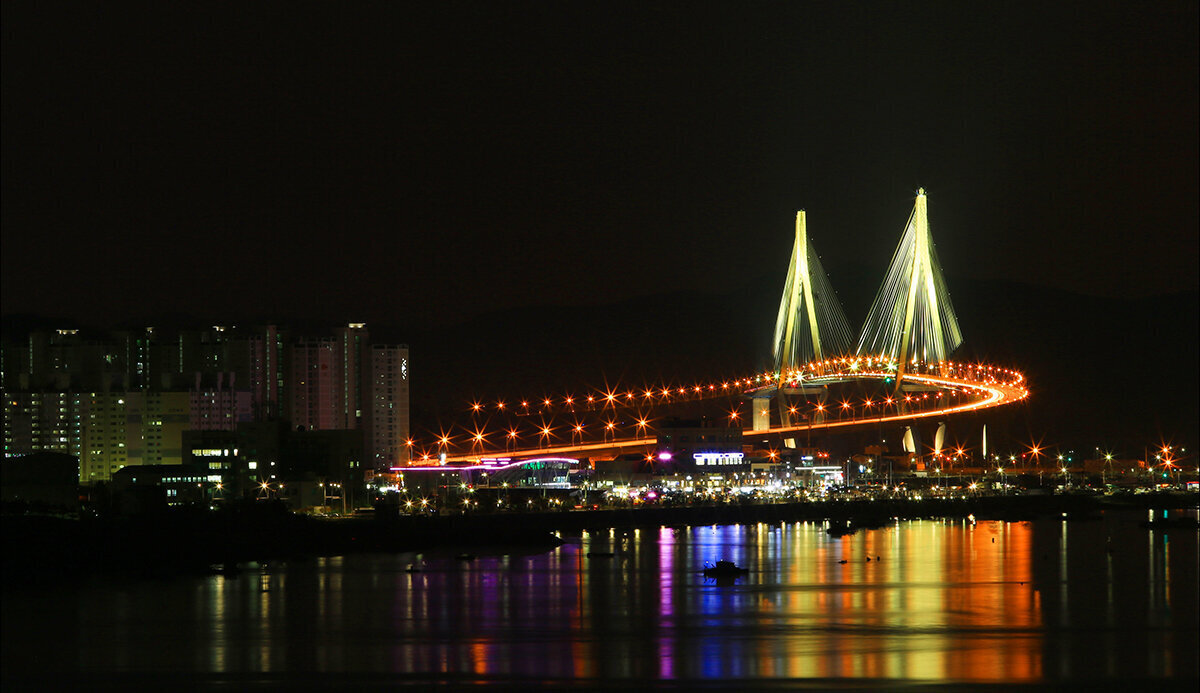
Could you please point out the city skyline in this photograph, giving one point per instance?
(488, 185)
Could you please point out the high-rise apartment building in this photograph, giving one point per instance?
(158, 420)
(106, 436)
(387, 429)
(126, 397)
(354, 344)
(315, 385)
(43, 422)
(217, 405)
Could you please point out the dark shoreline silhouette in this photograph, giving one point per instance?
(198, 541)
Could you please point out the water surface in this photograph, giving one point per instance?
(916, 602)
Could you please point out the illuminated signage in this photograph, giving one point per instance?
(714, 459)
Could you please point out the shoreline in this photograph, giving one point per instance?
(42, 549)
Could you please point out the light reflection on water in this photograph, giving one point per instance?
(920, 601)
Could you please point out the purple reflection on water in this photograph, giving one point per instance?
(666, 603)
(1046, 601)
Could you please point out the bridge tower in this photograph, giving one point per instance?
(811, 325)
(912, 318)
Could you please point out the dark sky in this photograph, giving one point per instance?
(426, 164)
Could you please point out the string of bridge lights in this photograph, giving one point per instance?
(976, 380)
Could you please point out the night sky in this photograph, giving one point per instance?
(426, 166)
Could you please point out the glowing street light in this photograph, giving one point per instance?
(477, 438)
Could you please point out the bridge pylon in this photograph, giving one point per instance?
(912, 318)
(811, 323)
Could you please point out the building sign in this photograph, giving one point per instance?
(717, 459)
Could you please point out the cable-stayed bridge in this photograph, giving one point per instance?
(901, 361)
(912, 317)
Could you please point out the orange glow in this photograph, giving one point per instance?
(983, 386)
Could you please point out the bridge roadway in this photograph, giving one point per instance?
(993, 394)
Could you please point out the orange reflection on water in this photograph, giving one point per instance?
(924, 600)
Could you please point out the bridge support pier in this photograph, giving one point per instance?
(762, 412)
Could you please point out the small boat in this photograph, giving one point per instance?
(724, 569)
(841, 530)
